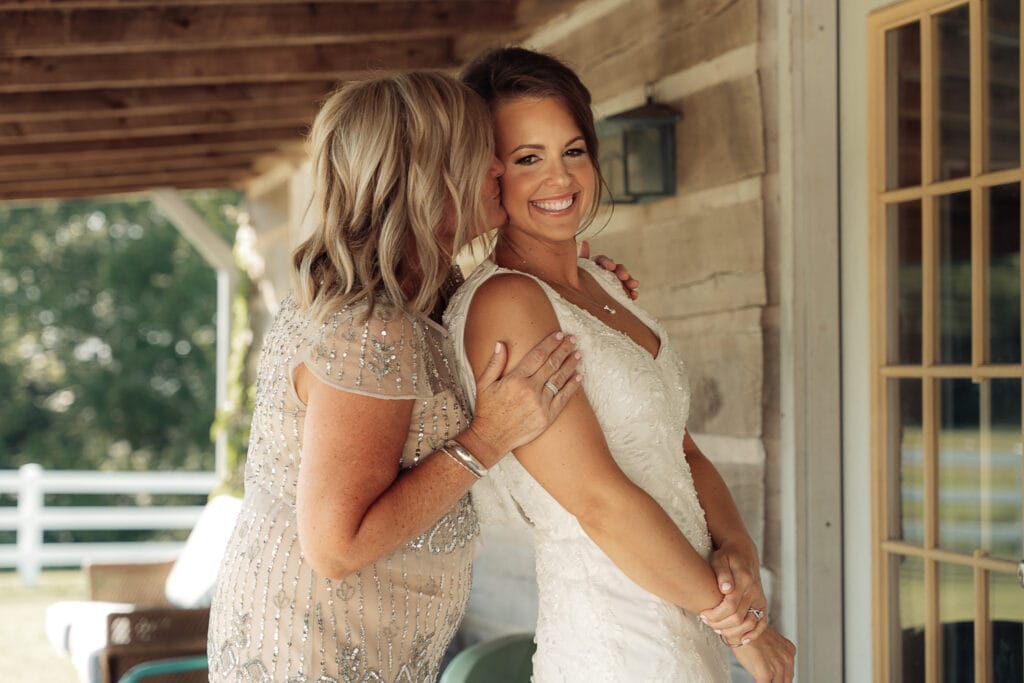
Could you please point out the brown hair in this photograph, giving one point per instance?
(394, 158)
(512, 72)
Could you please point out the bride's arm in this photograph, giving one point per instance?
(572, 462)
(735, 560)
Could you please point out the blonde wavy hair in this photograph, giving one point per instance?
(399, 164)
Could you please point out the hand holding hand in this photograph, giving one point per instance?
(514, 409)
(629, 283)
(770, 659)
(739, 578)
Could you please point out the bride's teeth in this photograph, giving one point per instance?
(555, 206)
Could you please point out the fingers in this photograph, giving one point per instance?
(495, 366)
(585, 249)
(540, 354)
(723, 572)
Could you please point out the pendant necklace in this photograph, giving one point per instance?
(561, 289)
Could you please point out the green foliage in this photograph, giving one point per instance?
(107, 336)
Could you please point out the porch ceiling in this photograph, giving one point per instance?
(112, 96)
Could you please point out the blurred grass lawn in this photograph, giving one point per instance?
(26, 656)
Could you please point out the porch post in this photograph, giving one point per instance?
(218, 254)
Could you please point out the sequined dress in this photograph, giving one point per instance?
(274, 619)
(594, 623)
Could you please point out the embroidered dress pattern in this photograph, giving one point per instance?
(275, 620)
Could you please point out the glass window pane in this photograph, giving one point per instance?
(1003, 84)
(959, 442)
(903, 103)
(1004, 274)
(908, 455)
(953, 90)
(1001, 470)
(903, 282)
(956, 614)
(908, 649)
(954, 291)
(1007, 609)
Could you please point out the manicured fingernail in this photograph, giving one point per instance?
(726, 586)
(497, 347)
(579, 378)
(559, 336)
(577, 355)
(745, 641)
(704, 618)
(718, 631)
(572, 338)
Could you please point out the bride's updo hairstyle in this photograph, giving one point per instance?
(399, 164)
(514, 72)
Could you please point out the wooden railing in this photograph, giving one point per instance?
(30, 518)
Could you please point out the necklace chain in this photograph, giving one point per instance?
(562, 289)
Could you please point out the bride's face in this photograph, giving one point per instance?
(549, 180)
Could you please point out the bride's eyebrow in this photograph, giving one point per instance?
(527, 146)
(578, 138)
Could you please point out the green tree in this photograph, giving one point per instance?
(107, 336)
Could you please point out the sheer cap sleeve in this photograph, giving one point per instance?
(385, 353)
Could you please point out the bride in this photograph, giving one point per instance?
(625, 509)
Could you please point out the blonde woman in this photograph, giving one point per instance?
(351, 557)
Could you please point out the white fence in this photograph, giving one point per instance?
(31, 517)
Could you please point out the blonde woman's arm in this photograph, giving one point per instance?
(355, 506)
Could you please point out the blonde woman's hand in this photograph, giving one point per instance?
(770, 659)
(629, 283)
(514, 408)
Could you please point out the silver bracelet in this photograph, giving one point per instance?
(464, 458)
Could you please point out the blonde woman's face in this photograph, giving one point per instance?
(549, 180)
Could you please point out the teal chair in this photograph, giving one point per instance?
(161, 667)
(502, 660)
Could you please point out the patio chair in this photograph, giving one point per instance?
(138, 612)
(166, 669)
(503, 660)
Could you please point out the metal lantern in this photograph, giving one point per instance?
(638, 152)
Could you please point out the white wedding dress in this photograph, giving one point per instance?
(594, 623)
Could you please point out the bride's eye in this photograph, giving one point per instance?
(527, 160)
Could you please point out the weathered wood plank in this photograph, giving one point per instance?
(125, 192)
(50, 169)
(114, 184)
(145, 126)
(121, 29)
(101, 103)
(174, 146)
(270, 64)
(645, 40)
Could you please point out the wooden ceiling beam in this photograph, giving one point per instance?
(49, 170)
(171, 146)
(214, 178)
(126, 191)
(133, 126)
(171, 27)
(271, 64)
(115, 4)
(53, 106)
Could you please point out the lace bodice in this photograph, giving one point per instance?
(273, 618)
(594, 623)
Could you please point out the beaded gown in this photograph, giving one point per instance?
(274, 619)
(594, 623)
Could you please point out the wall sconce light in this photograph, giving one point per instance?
(638, 152)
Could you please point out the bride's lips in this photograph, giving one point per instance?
(555, 205)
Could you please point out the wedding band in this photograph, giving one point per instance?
(758, 613)
(554, 389)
